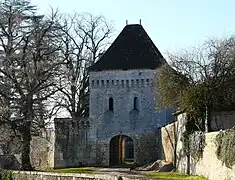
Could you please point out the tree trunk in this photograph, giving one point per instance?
(25, 156)
(188, 165)
(73, 101)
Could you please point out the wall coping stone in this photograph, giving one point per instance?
(93, 175)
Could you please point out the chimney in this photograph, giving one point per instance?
(140, 21)
(126, 22)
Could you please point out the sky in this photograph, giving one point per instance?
(173, 25)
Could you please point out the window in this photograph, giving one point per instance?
(137, 82)
(132, 82)
(122, 83)
(142, 82)
(135, 103)
(147, 81)
(111, 104)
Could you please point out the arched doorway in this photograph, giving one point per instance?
(121, 150)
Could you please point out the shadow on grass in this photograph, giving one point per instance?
(74, 170)
(174, 176)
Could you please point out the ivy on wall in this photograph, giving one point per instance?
(225, 143)
(193, 141)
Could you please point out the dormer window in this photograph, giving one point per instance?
(136, 103)
(111, 104)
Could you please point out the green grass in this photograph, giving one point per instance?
(174, 176)
(74, 170)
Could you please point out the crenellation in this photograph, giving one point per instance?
(125, 83)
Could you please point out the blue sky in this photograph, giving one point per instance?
(172, 24)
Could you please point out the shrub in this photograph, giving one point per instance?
(6, 175)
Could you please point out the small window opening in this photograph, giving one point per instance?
(97, 82)
(137, 82)
(132, 82)
(102, 82)
(111, 104)
(147, 81)
(135, 103)
(142, 81)
(92, 82)
(122, 82)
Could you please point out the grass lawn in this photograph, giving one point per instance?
(174, 175)
(74, 170)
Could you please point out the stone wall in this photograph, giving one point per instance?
(208, 165)
(87, 140)
(123, 86)
(223, 120)
(22, 175)
(139, 123)
(147, 149)
(74, 142)
(171, 135)
(41, 150)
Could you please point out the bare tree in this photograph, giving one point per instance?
(200, 81)
(29, 57)
(85, 38)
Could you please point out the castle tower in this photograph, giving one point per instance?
(123, 99)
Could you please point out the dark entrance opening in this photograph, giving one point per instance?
(121, 150)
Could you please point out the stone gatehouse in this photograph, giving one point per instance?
(123, 120)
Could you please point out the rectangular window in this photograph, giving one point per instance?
(122, 83)
(147, 81)
(135, 103)
(132, 82)
(142, 82)
(137, 82)
(111, 104)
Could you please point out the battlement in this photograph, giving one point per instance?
(122, 83)
(79, 123)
